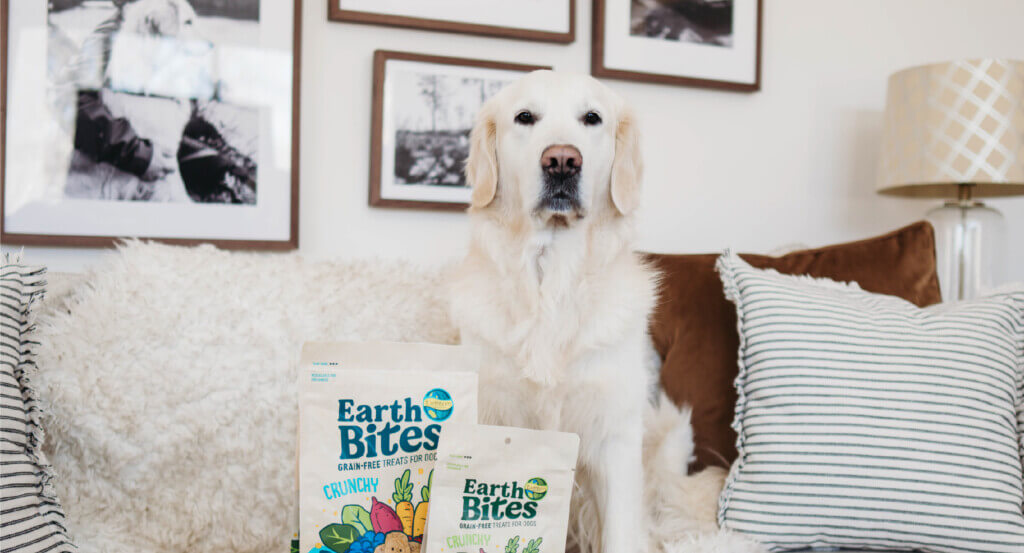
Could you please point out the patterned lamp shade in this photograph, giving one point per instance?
(954, 123)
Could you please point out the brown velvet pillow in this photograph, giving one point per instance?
(694, 326)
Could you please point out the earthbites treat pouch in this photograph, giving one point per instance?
(370, 416)
(499, 489)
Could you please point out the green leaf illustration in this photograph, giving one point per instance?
(533, 546)
(425, 490)
(358, 517)
(338, 537)
(295, 546)
(513, 545)
(403, 488)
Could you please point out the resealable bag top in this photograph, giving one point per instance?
(500, 489)
(370, 417)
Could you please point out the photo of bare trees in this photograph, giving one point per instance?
(433, 115)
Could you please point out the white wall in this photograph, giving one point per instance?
(792, 163)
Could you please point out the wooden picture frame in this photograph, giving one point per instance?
(108, 241)
(377, 123)
(336, 13)
(600, 69)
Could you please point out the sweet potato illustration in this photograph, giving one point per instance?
(383, 518)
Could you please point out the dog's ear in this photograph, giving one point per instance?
(482, 163)
(627, 167)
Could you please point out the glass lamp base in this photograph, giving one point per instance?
(970, 242)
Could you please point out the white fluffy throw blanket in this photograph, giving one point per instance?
(169, 381)
(168, 377)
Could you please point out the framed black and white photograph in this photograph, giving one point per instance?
(703, 43)
(174, 120)
(541, 20)
(423, 111)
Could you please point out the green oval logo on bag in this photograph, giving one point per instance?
(438, 404)
(536, 488)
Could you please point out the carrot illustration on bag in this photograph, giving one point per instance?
(419, 521)
(403, 501)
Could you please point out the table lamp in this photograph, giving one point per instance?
(955, 130)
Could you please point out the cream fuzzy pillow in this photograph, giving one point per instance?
(169, 386)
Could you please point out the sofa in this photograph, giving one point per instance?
(167, 376)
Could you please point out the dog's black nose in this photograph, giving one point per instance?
(561, 160)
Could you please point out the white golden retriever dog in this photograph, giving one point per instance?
(553, 292)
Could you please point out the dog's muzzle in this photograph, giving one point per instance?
(561, 165)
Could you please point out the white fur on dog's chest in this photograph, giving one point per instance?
(542, 251)
(563, 347)
(591, 393)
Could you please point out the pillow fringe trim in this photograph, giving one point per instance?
(725, 267)
(33, 281)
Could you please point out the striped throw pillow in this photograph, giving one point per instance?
(867, 422)
(31, 519)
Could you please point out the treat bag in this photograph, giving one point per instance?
(370, 417)
(500, 489)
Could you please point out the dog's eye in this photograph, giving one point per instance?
(591, 118)
(525, 118)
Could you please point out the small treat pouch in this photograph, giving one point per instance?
(370, 417)
(500, 489)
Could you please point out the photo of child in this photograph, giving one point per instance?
(142, 80)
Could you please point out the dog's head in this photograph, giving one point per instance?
(158, 49)
(555, 147)
(158, 18)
